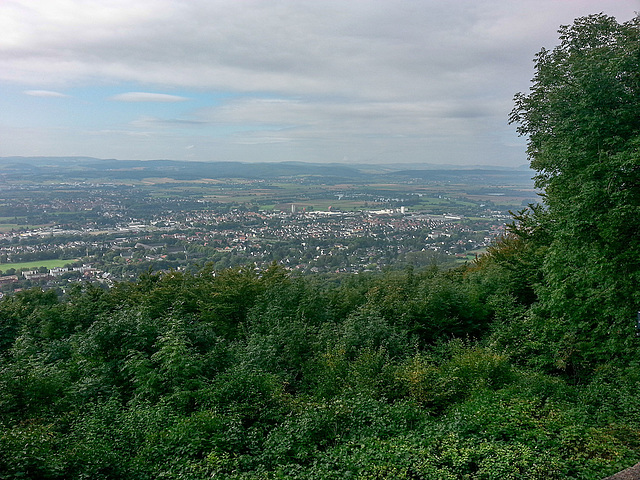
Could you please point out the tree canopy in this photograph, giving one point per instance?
(581, 117)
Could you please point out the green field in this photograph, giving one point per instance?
(36, 264)
(7, 227)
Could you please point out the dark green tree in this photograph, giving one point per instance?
(583, 127)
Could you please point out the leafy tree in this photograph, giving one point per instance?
(512, 265)
(581, 119)
(24, 310)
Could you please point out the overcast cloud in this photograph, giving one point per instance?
(146, 97)
(359, 81)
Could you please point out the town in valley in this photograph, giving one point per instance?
(69, 220)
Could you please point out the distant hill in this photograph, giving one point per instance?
(468, 175)
(89, 168)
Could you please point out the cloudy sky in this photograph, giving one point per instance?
(376, 81)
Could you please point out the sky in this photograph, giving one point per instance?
(348, 81)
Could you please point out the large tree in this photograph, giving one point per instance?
(582, 119)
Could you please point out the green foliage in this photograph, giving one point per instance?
(257, 374)
(584, 136)
(465, 370)
(30, 451)
(22, 311)
(582, 106)
(512, 265)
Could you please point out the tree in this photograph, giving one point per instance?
(583, 127)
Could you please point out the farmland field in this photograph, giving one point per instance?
(55, 263)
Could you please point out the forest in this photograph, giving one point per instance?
(524, 364)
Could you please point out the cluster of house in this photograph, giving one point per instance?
(86, 270)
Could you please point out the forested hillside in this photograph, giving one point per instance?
(522, 365)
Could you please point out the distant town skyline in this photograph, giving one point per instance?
(396, 81)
